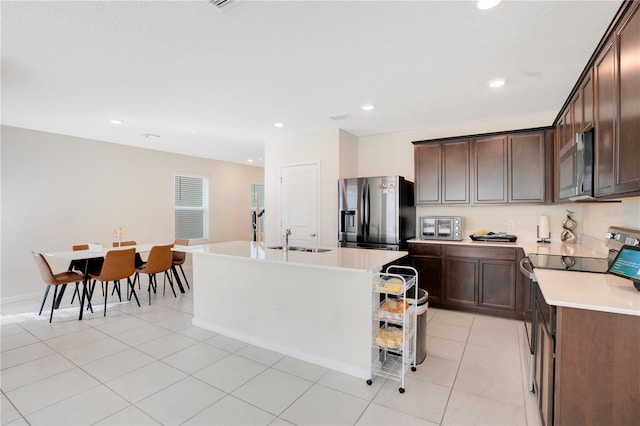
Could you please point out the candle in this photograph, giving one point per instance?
(543, 227)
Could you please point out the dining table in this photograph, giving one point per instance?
(96, 251)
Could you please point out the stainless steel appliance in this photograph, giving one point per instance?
(576, 168)
(615, 238)
(441, 228)
(376, 212)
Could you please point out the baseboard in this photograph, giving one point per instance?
(286, 350)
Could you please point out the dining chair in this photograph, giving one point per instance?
(139, 261)
(51, 279)
(159, 260)
(86, 267)
(118, 265)
(179, 258)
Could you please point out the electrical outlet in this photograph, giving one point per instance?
(510, 224)
(274, 311)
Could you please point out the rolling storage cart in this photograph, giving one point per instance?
(394, 324)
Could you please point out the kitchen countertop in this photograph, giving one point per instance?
(582, 290)
(336, 257)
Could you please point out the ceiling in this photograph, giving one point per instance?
(210, 82)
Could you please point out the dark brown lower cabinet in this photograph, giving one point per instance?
(471, 278)
(597, 369)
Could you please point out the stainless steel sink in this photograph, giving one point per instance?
(303, 249)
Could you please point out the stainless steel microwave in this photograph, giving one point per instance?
(441, 228)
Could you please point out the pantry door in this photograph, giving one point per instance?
(299, 195)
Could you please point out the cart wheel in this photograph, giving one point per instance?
(413, 369)
(369, 382)
(401, 390)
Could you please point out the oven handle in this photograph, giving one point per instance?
(527, 268)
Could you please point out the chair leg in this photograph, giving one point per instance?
(106, 287)
(164, 284)
(132, 286)
(53, 305)
(185, 277)
(76, 291)
(116, 285)
(44, 299)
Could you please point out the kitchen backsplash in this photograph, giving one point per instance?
(593, 218)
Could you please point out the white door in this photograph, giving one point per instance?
(299, 204)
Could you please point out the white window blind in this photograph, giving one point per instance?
(191, 207)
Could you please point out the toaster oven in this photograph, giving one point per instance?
(441, 228)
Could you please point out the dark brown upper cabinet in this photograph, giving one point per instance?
(605, 120)
(528, 168)
(442, 172)
(627, 148)
(607, 98)
(491, 160)
(510, 169)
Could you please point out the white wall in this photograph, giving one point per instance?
(60, 190)
(321, 147)
(349, 154)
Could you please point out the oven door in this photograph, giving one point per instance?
(444, 228)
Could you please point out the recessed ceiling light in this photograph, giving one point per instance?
(487, 4)
(250, 160)
(368, 107)
(117, 122)
(278, 125)
(498, 82)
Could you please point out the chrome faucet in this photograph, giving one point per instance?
(285, 244)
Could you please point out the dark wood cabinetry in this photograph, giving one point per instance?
(490, 166)
(627, 148)
(442, 172)
(545, 369)
(472, 278)
(428, 259)
(527, 168)
(607, 98)
(605, 119)
(496, 169)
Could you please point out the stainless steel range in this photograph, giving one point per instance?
(615, 238)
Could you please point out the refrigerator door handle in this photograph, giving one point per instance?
(368, 208)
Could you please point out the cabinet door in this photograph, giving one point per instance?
(577, 106)
(627, 152)
(455, 172)
(527, 168)
(430, 275)
(428, 161)
(461, 281)
(587, 103)
(605, 119)
(497, 284)
(490, 168)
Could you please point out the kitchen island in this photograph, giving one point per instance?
(314, 306)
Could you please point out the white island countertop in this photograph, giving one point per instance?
(581, 290)
(335, 257)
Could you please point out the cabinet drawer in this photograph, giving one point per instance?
(498, 253)
(424, 249)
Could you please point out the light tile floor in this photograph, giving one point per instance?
(149, 365)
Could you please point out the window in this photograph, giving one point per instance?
(191, 199)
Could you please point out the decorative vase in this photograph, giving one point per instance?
(568, 225)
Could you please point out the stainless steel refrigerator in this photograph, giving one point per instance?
(376, 212)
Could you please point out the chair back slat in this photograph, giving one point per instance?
(124, 243)
(118, 264)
